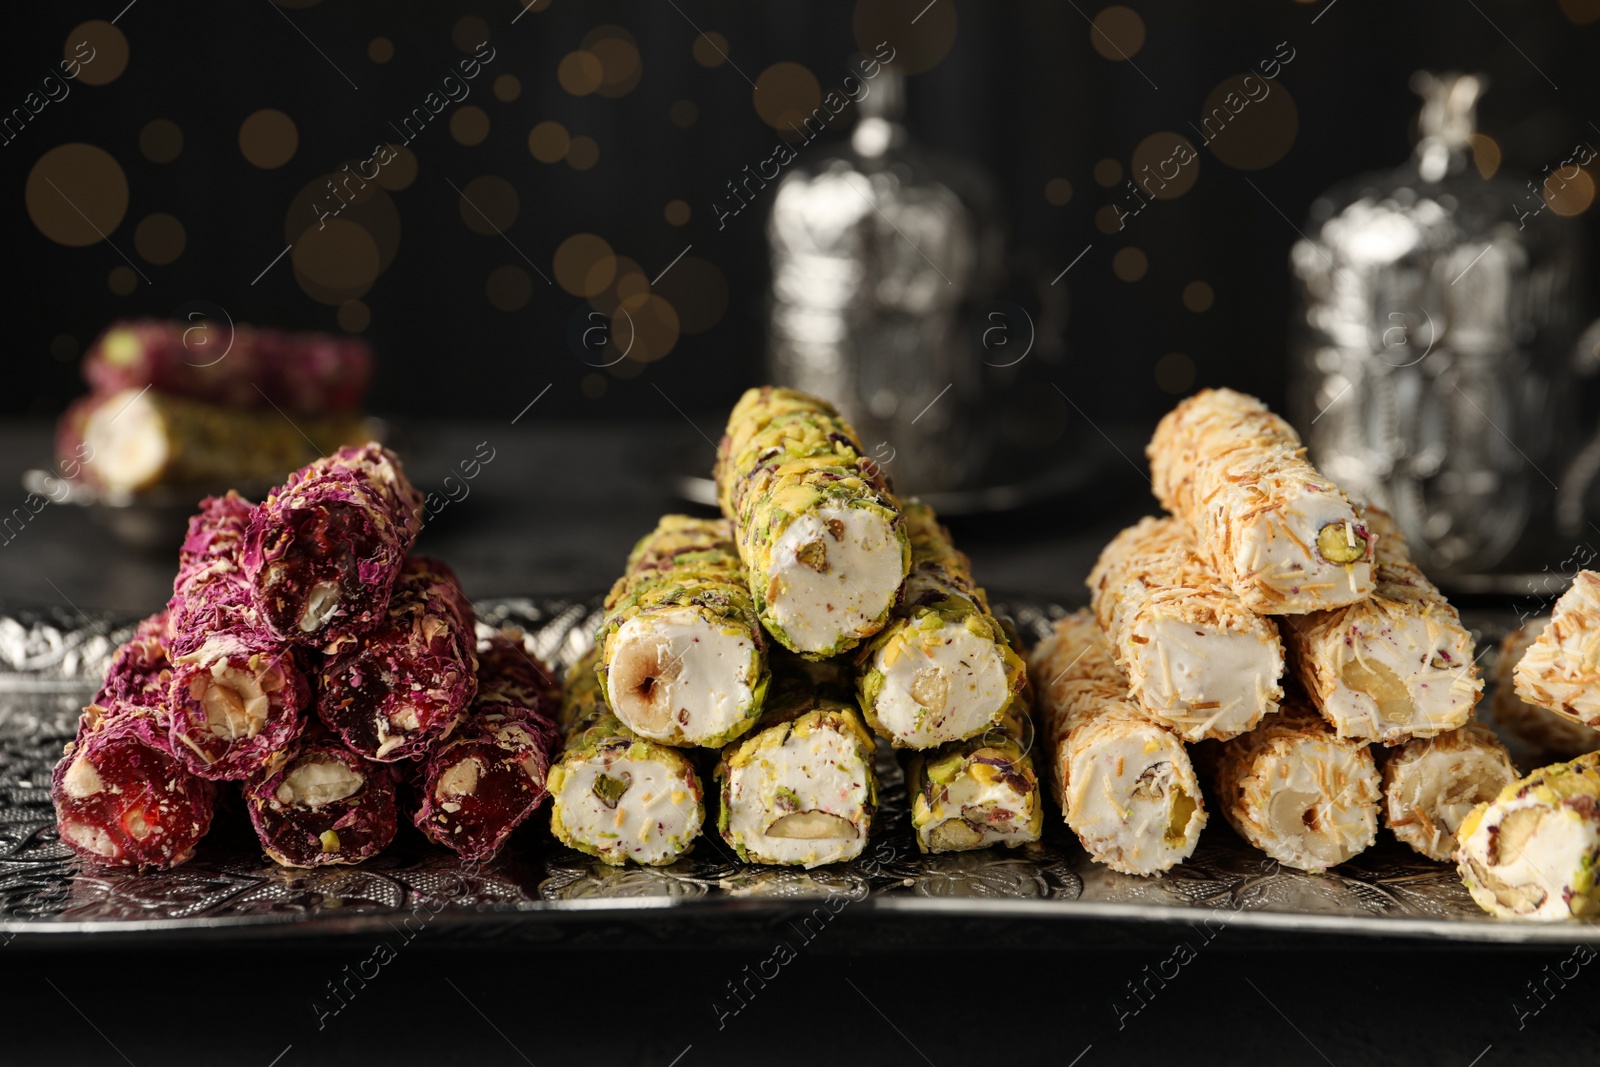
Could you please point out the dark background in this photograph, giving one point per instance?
(1021, 90)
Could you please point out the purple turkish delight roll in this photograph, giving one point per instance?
(237, 693)
(122, 799)
(140, 673)
(396, 690)
(324, 805)
(322, 550)
(490, 775)
(307, 374)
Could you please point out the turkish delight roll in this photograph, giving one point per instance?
(980, 791)
(489, 777)
(1298, 792)
(1561, 669)
(237, 366)
(137, 438)
(1431, 783)
(1195, 657)
(1394, 666)
(682, 654)
(237, 691)
(323, 550)
(943, 669)
(140, 673)
(121, 798)
(819, 532)
(1124, 781)
(1532, 851)
(800, 789)
(394, 691)
(1283, 536)
(616, 795)
(323, 805)
(1540, 729)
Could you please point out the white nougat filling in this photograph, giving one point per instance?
(1315, 816)
(1399, 685)
(1134, 797)
(1206, 679)
(649, 821)
(833, 571)
(128, 440)
(820, 772)
(1280, 547)
(1525, 853)
(678, 678)
(972, 799)
(943, 685)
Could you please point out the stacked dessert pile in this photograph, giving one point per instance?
(1286, 628)
(764, 649)
(175, 404)
(308, 657)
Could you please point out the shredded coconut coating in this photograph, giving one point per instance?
(1532, 851)
(597, 739)
(1124, 781)
(979, 791)
(1150, 575)
(1561, 669)
(785, 455)
(1237, 474)
(1298, 792)
(1549, 734)
(939, 592)
(323, 550)
(1392, 667)
(685, 566)
(1430, 784)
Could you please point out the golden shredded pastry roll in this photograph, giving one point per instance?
(1395, 666)
(1561, 669)
(1195, 657)
(1538, 728)
(1431, 783)
(1124, 781)
(1282, 535)
(1299, 793)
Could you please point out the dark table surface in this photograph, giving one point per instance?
(555, 511)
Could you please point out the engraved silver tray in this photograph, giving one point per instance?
(539, 891)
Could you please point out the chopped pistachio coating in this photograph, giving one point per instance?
(942, 670)
(1531, 852)
(1123, 779)
(1394, 666)
(1195, 657)
(1551, 735)
(820, 533)
(980, 791)
(1298, 792)
(682, 655)
(1431, 783)
(137, 439)
(1283, 536)
(618, 796)
(1561, 669)
(801, 789)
